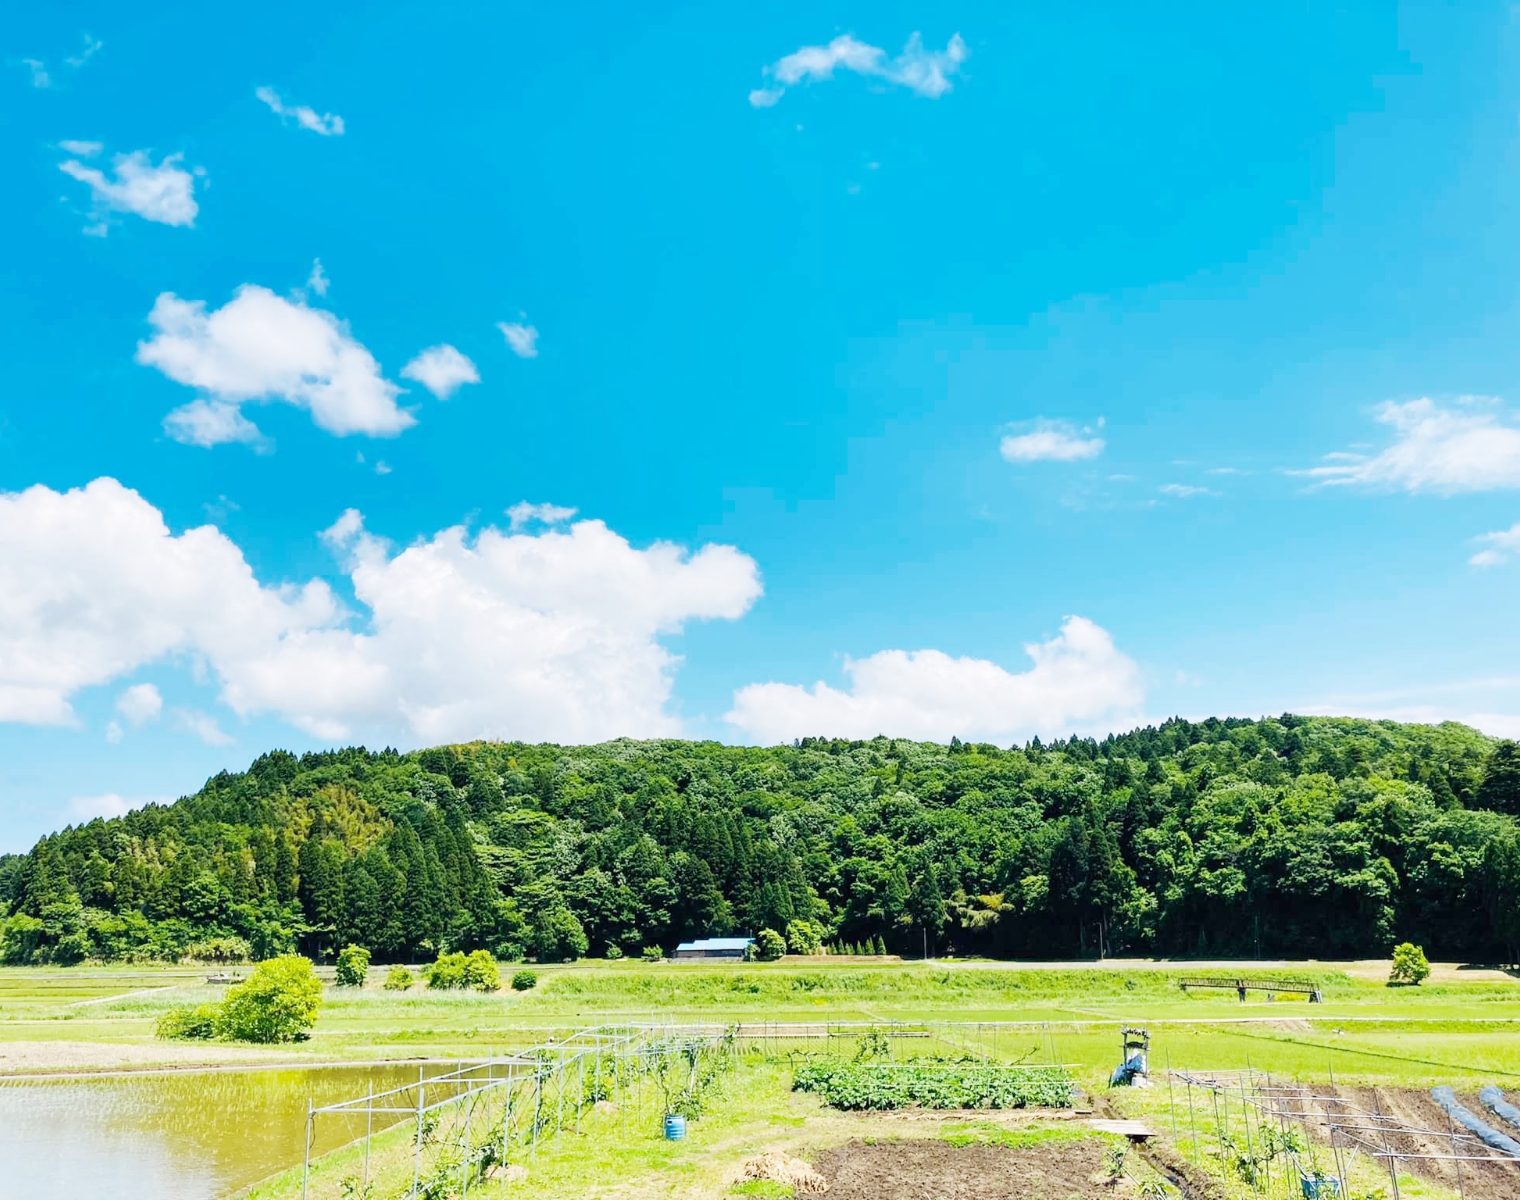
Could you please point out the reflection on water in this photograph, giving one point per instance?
(191, 1135)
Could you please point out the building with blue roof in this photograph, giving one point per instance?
(720, 948)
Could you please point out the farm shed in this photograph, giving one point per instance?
(720, 948)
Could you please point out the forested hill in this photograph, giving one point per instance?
(1282, 837)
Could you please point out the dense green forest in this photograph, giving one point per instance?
(1291, 836)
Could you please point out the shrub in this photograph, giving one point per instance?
(803, 937)
(769, 945)
(613, 953)
(447, 972)
(399, 979)
(1410, 966)
(481, 972)
(652, 954)
(218, 951)
(353, 966)
(476, 970)
(523, 980)
(277, 1003)
(197, 1022)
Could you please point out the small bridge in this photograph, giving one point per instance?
(1273, 987)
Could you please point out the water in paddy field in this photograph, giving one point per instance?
(186, 1135)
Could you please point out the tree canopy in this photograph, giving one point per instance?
(1288, 836)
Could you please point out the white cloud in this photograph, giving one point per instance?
(926, 72)
(140, 704)
(1183, 491)
(497, 634)
(1471, 445)
(203, 726)
(91, 47)
(523, 513)
(210, 423)
(1051, 441)
(1079, 679)
(164, 193)
(259, 346)
(522, 338)
(326, 124)
(317, 281)
(442, 370)
(93, 586)
(81, 149)
(1499, 546)
(86, 808)
(38, 68)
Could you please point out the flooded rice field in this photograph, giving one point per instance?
(182, 1135)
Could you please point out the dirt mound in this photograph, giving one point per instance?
(934, 1170)
(784, 1169)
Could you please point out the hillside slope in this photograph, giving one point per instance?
(1281, 837)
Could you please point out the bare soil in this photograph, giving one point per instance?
(1424, 1130)
(924, 1169)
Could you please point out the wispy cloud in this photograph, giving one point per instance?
(91, 48)
(522, 338)
(202, 725)
(1468, 445)
(1497, 547)
(926, 72)
(317, 282)
(108, 805)
(326, 124)
(1183, 491)
(524, 513)
(163, 193)
(443, 370)
(1051, 441)
(43, 78)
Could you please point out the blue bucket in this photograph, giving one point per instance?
(675, 1127)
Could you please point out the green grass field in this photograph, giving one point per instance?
(1461, 1028)
(1364, 1030)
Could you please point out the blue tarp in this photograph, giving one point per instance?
(1447, 1099)
(1494, 1099)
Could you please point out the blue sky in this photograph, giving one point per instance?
(922, 370)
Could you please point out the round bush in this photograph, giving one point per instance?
(353, 966)
(277, 1003)
(399, 979)
(523, 980)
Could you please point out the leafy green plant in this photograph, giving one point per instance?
(804, 937)
(769, 946)
(398, 979)
(477, 970)
(613, 953)
(523, 980)
(188, 1023)
(1410, 966)
(970, 1083)
(652, 954)
(279, 1002)
(873, 1044)
(353, 966)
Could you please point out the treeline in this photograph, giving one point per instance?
(1282, 837)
